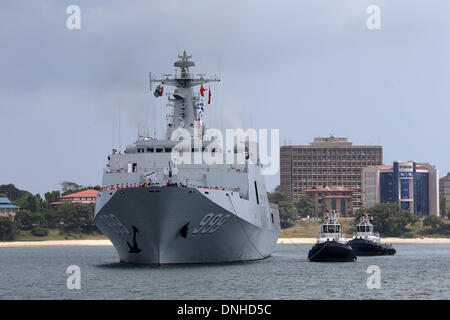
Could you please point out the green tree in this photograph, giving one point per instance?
(288, 213)
(76, 217)
(286, 208)
(68, 187)
(50, 197)
(389, 219)
(39, 231)
(51, 219)
(433, 222)
(24, 219)
(305, 206)
(27, 220)
(277, 196)
(30, 202)
(11, 192)
(6, 229)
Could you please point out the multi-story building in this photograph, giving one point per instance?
(327, 199)
(86, 196)
(326, 162)
(7, 209)
(414, 186)
(444, 190)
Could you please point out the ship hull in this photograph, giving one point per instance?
(177, 225)
(331, 251)
(362, 247)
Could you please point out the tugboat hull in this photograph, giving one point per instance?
(362, 247)
(331, 251)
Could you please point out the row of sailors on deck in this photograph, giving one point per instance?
(140, 185)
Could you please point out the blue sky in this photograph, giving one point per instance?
(309, 68)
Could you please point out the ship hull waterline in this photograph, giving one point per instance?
(362, 247)
(331, 251)
(158, 226)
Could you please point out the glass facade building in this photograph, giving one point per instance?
(411, 185)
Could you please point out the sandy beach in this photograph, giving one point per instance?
(71, 243)
(383, 240)
(55, 243)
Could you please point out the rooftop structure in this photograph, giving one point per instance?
(7, 209)
(331, 198)
(86, 196)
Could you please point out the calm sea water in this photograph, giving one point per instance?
(416, 272)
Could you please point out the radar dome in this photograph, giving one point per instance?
(131, 148)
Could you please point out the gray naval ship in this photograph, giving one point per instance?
(155, 211)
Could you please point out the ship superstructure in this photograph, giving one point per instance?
(157, 210)
(366, 242)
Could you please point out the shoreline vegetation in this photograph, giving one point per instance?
(39, 221)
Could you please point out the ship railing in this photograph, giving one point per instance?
(144, 185)
(185, 76)
(128, 186)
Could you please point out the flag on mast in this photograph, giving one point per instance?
(158, 91)
(202, 90)
(209, 97)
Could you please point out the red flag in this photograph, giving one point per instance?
(209, 97)
(202, 90)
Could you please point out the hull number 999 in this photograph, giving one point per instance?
(211, 222)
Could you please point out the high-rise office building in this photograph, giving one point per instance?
(326, 162)
(414, 186)
(444, 190)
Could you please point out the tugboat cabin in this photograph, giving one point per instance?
(331, 229)
(364, 229)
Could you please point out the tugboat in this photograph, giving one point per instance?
(365, 242)
(331, 245)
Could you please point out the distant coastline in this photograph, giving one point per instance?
(382, 240)
(102, 242)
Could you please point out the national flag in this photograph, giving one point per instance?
(202, 90)
(158, 91)
(209, 97)
(200, 107)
